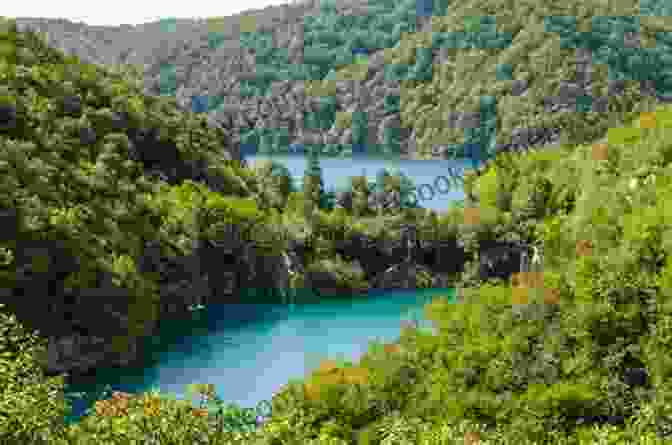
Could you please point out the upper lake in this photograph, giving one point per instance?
(432, 191)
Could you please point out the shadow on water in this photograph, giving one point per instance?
(176, 336)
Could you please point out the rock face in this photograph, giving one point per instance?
(76, 354)
(323, 283)
(82, 324)
(400, 276)
(231, 265)
(438, 256)
(501, 260)
(443, 256)
(375, 256)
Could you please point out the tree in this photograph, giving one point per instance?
(360, 195)
(391, 142)
(381, 189)
(381, 179)
(266, 142)
(430, 225)
(360, 132)
(276, 183)
(31, 404)
(285, 179)
(313, 184)
(408, 198)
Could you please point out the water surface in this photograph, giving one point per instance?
(431, 193)
(249, 351)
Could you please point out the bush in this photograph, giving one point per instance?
(33, 403)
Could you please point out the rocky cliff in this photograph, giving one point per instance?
(81, 327)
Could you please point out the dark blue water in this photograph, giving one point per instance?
(248, 351)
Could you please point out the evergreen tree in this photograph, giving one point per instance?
(360, 132)
(287, 181)
(276, 182)
(408, 196)
(313, 185)
(391, 146)
(381, 187)
(381, 179)
(326, 115)
(360, 195)
(265, 142)
(328, 201)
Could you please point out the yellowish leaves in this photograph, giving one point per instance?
(520, 295)
(216, 24)
(648, 121)
(524, 283)
(319, 88)
(472, 438)
(355, 375)
(199, 412)
(584, 248)
(343, 120)
(392, 348)
(327, 366)
(472, 216)
(551, 296)
(114, 407)
(152, 406)
(529, 279)
(600, 152)
(329, 374)
(248, 23)
(354, 71)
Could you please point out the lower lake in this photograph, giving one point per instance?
(249, 351)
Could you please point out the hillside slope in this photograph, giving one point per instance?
(404, 79)
(90, 170)
(575, 352)
(571, 351)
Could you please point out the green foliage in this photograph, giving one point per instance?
(527, 371)
(313, 184)
(423, 279)
(349, 275)
(275, 182)
(516, 370)
(33, 403)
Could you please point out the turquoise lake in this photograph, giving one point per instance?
(249, 351)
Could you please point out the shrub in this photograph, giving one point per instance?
(33, 403)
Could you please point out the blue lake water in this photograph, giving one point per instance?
(431, 193)
(248, 351)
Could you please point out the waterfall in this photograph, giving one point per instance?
(289, 293)
(524, 262)
(538, 259)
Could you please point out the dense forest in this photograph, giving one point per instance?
(387, 78)
(93, 171)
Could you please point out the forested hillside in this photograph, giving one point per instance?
(411, 79)
(574, 351)
(108, 196)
